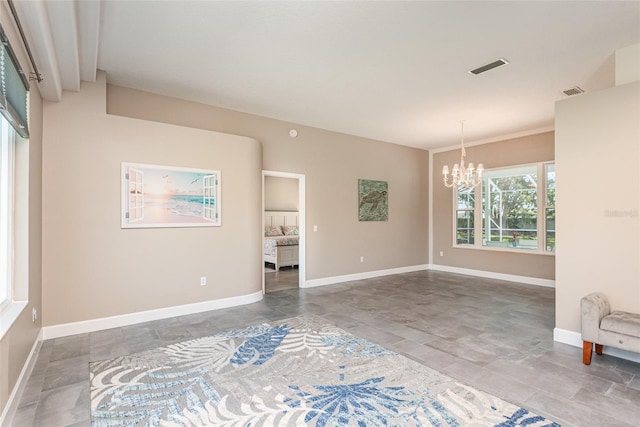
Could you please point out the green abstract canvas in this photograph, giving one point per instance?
(373, 200)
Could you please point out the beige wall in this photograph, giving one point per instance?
(598, 192)
(332, 164)
(91, 267)
(628, 64)
(18, 341)
(518, 151)
(280, 194)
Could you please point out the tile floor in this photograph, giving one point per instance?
(490, 334)
(285, 278)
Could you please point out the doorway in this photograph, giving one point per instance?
(279, 194)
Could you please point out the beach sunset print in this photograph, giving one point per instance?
(163, 196)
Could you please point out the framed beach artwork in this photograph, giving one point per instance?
(373, 200)
(167, 196)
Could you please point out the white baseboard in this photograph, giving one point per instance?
(498, 276)
(469, 272)
(567, 337)
(93, 325)
(575, 339)
(360, 276)
(66, 329)
(11, 406)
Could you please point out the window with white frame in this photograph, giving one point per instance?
(465, 216)
(513, 208)
(14, 172)
(550, 208)
(6, 212)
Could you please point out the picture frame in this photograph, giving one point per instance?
(373, 200)
(168, 196)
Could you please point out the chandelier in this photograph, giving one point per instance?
(461, 175)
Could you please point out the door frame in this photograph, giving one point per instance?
(302, 259)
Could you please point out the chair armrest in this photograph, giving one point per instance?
(594, 307)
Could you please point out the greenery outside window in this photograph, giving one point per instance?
(550, 208)
(509, 208)
(465, 216)
(513, 207)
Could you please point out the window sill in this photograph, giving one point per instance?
(9, 315)
(521, 251)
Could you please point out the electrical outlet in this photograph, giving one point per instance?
(315, 228)
(34, 314)
(203, 281)
(361, 259)
(441, 253)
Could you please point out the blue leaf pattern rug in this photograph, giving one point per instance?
(298, 372)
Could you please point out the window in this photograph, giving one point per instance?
(510, 208)
(465, 216)
(6, 212)
(514, 208)
(550, 208)
(14, 186)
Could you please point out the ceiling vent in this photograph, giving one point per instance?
(495, 64)
(576, 90)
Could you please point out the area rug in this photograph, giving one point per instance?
(297, 372)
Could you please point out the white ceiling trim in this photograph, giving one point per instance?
(89, 26)
(64, 32)
(33, 15)
(63, 57)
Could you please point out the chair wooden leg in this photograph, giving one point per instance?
(598, 348)
(587, 348)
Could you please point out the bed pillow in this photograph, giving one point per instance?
(272, 231)
(290, 230)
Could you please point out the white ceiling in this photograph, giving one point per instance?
(392, 71)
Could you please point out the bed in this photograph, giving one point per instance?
(281, 238)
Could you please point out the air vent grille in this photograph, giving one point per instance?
(495, 64)
(576, 90)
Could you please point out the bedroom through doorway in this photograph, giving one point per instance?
(283, 237)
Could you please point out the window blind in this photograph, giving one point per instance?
(14, 88)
